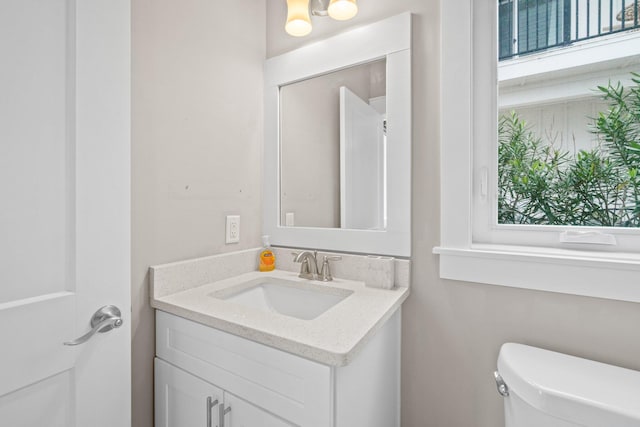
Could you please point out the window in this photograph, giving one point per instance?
(567, 157)
(531, 25)
(558, 162)
(551, 69)
(506, 22)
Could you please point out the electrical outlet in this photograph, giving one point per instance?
(289, 219)
(233, 229)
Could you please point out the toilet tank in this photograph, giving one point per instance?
(549, 389)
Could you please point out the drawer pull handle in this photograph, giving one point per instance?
(210, 404)
(223, 411)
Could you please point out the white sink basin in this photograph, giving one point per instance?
(294, 299)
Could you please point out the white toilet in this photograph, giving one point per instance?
(542, 388)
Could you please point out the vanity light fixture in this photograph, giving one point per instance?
(342, 10)
(298, 21)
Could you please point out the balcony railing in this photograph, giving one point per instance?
(527, 26)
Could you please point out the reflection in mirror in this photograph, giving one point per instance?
(333, 149)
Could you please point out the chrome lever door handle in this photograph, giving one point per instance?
(103, 320)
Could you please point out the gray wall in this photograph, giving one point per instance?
(452, 331)
(196, 145)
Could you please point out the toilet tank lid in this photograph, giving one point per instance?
(571, 388)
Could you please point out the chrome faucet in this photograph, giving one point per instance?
(309, 264)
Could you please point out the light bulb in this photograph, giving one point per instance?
(342, 10)
(298, 21)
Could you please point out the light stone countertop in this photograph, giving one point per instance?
(333, 338)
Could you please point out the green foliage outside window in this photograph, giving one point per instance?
(541, 184)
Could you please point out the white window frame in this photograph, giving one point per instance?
(471, 248)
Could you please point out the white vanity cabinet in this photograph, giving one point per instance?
(268, 387)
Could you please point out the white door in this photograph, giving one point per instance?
(64, 211)
(362, 164)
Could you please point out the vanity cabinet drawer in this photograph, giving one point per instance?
(293, 388)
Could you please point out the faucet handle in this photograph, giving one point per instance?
(325, 274)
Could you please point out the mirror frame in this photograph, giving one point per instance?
(390, 39)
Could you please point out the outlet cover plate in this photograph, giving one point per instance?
(232, 229)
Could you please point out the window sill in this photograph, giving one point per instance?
(592, 274)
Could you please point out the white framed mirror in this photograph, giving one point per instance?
(337, 161)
